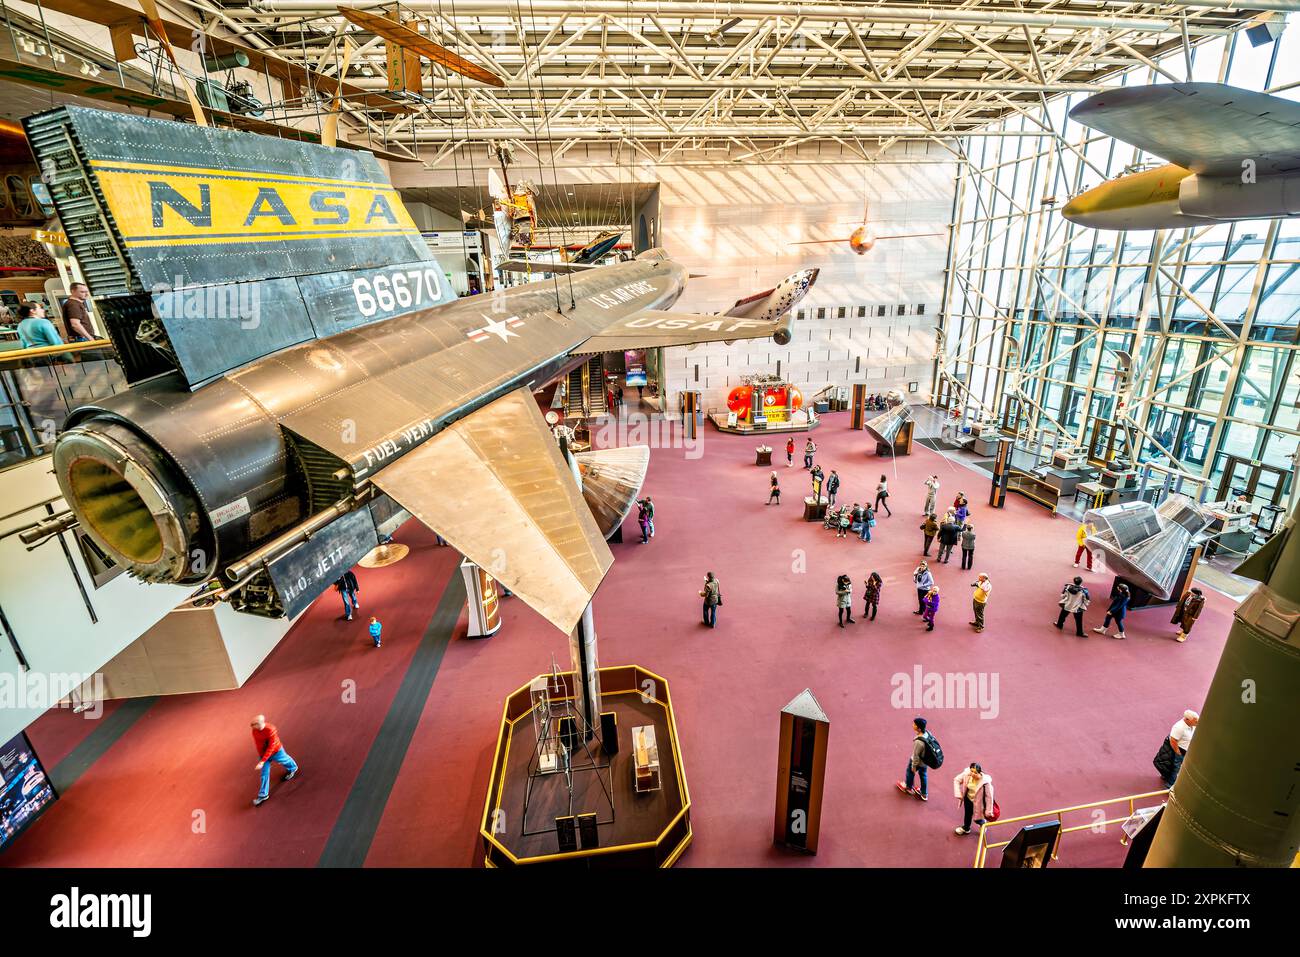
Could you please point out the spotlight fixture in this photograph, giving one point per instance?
(1265, 28)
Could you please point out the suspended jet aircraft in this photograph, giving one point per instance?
(302, 379)
(1233, 154)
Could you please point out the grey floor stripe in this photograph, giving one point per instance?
(349, 841)
(110, 730)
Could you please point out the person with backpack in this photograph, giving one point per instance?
(882, 496)
(1117, 610)
(832, 486)
(844, 598)
(924, 582)
(809, 450)
(846, 519)
(1074, 601)
(1186, 612)
(926, 754)
(871, 594)
(712, 595)
(347, 587)
(775, 494)
(868, 522)
(929, 528)
(974, 792)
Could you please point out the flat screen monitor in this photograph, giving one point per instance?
(25, 788)
(637, 378)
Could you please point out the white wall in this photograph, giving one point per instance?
(43, 608)
(249, 639)
(736, 225)
(430, 220)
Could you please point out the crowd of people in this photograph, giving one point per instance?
(955, 531)
(972, 786)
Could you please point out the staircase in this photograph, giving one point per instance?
(595, 375)
(574, 393)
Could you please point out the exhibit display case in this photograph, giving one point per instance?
(645, 759)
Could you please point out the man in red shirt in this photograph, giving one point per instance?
(267, 741)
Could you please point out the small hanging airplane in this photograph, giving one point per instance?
(863, 238)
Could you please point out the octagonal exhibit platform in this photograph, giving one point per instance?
(649, 829)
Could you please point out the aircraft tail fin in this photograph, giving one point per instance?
(209, 248)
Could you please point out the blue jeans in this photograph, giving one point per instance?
(866, 531)
(281, 758)
(349, 602)
(1178, 766)
(924, 772)
(710, 614)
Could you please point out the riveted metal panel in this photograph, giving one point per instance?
(305, 572)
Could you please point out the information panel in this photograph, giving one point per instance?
(26, 790)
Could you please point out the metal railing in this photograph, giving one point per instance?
(985, 845)
(40, 386)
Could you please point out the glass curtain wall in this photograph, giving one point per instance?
(1040, 313)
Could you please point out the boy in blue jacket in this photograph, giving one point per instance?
(375, 629)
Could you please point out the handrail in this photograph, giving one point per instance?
(37, 352)
(984, 846)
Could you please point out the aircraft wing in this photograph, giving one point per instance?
(650, 328)
(1205, 127)
(520, 265)
(495, 486)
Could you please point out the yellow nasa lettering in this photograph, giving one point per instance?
(156, 205)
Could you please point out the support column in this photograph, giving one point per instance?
(859, 406)
(586, 672)
(690, 414)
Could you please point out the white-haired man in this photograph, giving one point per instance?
(1180, 736)
(266, 738)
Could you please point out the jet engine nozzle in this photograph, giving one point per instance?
(782, 337)
(134, 503)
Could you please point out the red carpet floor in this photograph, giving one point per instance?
(1072, 721)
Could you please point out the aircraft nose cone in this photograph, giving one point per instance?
(1073, 210)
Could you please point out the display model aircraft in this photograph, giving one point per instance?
(597, 249)
(1233, 154)
(270, 448)
(862, 239)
